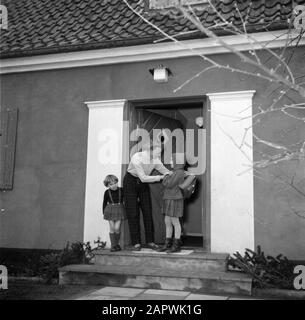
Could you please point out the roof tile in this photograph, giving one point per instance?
(46, 24)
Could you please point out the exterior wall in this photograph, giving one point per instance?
(46, 207)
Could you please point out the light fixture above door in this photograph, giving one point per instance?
(161, 73)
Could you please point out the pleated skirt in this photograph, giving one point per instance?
(173, 208)
(115, 212)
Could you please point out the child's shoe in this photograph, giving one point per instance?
(113, 242)
(117, 239)
(176, 247)
(167, 245)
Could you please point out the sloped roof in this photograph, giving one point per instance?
(50, 26)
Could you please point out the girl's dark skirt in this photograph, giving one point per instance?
(173, 207)
(115, 212)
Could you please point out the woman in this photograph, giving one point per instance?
(137, 193)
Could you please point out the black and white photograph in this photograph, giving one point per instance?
(152, 150)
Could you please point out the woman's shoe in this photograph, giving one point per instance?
(136, 247)
(152, 246)
(118, 248)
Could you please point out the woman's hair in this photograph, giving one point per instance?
(154, 146)
(151, 145)
(110, 179)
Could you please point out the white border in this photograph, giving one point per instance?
(137, 53)
(105, 103)
(231, 95)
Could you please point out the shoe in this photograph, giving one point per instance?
(176, 247)
(136, 247)
(117, 241)
(113, 242)
(167, 245)
(152, 246)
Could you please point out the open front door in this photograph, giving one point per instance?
(149, 120)
(171, 116)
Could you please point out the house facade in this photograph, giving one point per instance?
(78, 74)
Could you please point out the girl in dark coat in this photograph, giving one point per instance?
(173, 203)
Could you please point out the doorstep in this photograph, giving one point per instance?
(157, 278)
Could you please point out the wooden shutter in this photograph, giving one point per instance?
(8, 134)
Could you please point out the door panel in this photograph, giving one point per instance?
(195, 206)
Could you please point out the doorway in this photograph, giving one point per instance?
(173, 114)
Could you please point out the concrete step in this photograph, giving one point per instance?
(147, 258)
(157, 278)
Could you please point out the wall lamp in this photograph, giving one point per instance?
(161, 73)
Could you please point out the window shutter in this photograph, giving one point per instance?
(8, 131)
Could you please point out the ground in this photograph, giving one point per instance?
(25, 290)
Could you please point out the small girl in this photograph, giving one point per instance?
(114, 210)
(173, 203)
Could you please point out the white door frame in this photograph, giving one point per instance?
(231, 199)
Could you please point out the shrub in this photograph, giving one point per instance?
(266, 272)
(75, 253)
(23, 262)
(49, 265)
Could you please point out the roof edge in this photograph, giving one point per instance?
(147, 52)
(133, 42)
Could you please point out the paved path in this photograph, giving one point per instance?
(118, 293)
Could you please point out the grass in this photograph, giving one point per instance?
(27, 290)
